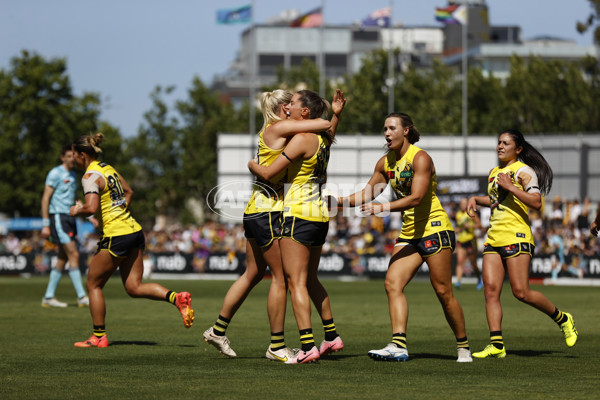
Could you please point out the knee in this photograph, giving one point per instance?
(444, 293)
(520, 294)
(132, 290)
(392, 287)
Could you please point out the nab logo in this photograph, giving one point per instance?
(391, 174)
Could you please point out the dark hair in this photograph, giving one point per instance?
(533, 158)
(317, 106)
(406, 120)
(89, 144)
(65, 148)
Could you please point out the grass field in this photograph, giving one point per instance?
(152, 356)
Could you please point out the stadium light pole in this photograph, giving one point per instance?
(322, 52)
(390, 83)
(251, 82)
(465, 108)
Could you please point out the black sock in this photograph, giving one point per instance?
(399, 339)
(330, 331)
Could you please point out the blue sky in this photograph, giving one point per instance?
(122, 49)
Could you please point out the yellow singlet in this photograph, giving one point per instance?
(509, 221)
(305, 177)
(113, 215)
(425, 219)
(266, 196)
(466, 225)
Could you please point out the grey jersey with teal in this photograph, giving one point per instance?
(64, 183)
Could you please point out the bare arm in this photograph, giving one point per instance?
(290, 127)
(531, 200)
(337, 105)
(372, 189)
(475, 201)
(92, 199)
(127, 190)
(298, 148)
(46, 196)
(423, 167)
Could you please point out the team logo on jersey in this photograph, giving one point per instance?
(391, 174)
(520, 235)
(436, 223)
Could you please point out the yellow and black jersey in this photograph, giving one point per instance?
(304, 180)
(113, 215)
(466, 227)
(429, 216)
(266, 196)
(509, 221)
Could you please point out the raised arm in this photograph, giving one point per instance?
(337, 106)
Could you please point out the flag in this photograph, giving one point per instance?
(445, 14)
(380, 18)
(238, 15)
(309, 20)
(454, 14)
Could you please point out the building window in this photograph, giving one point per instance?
(336, 64)
(268, 63)
(365, 36)
(296, 60)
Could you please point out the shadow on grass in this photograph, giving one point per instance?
(133, 343)
(413, 356)
(529, 353)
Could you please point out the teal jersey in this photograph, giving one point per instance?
(64, 183)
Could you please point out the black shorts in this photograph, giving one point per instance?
(308, 233)
(120, 246)
(511, 250)
(263, 227)
(469, 245)
(432, 244)
(63, 228)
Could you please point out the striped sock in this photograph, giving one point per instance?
(496, 339)
(330, 332)
(558, 316)
(307, 339)
(277, 341)
(171, 296)
(462, 343)
(220, 327)
(399, 339)
(99, 330)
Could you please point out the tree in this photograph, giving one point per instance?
(38, 115)
(589, 22)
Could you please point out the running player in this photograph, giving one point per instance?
(519, 181)
(108, 196)
(426, 236)
(58, 197)
(466, 246)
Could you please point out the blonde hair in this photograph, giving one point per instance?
(89, 144)
(270, 104)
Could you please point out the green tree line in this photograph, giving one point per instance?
(171, 162)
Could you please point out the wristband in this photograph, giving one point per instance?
(46, 221)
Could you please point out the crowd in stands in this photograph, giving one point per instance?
(561, 230)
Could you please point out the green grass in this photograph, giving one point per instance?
(153, 356)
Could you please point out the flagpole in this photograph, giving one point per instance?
(251, 83)
(390, 63)
(464, 92)
(321, 52)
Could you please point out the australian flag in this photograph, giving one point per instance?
(379, 18)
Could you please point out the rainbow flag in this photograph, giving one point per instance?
(445, 16)
(309, 20)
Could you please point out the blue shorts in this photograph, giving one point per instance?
(63, 228)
